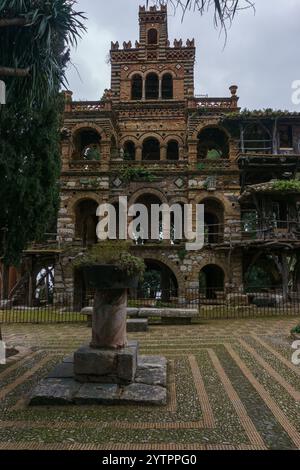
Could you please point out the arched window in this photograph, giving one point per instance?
(136, 87)
(152, 37)
(167, 87)
(152, 87)
(173, 150)
(129, 150)
(87, 145)
(86, 221)
(213, 144)
(211, 281)
(213, 221)
(151, 149)
(113, 147)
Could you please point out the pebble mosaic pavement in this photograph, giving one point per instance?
(231, 385)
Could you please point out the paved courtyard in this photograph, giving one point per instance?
(231, 386)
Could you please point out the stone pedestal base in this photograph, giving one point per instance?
(61, 389)
(108, 366)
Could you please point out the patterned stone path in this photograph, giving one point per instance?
(231, 386)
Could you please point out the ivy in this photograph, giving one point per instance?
(292, 185)
(135, 174)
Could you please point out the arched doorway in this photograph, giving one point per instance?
(159, 284)
(87, 145)
(86, 221)
(213, 144)
(213, 221)
(211, 281)
(151, 149)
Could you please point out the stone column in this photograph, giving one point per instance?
(138, 155)
(163, 152)
(160, 89)
(109, 319)
(193, 153)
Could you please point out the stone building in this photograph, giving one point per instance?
(152, 139)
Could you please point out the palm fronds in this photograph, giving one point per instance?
(41, 44)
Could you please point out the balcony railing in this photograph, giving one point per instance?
(87, 106)
(214, 103)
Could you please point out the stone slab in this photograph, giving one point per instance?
(136, 325)
(65, 370)
(54, 392)
(168, 312)
(148, 388)
(69, 358)
(97, 394)
(141, 394)
(152, 370)
(106, 365)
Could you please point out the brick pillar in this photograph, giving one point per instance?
(163, 152)
(68, 101)
(181, 152)
(105, 154)
(192, 153)
(138, 154)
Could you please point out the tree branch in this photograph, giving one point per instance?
(11, 72)
(13, 22)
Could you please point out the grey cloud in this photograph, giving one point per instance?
(261, 54)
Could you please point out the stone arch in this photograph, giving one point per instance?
(77, 198)
(212, 124)
(129, 149)
(152, 37)
(151, 150)
(213, 142)
(87, 125)
(151, 191)
(127, 137)
(219, 198)
(152, 86)
(213, 220)
(172, 150)
(146, 254)
(211, 281)
(167, 86)
(86, 221)
(178, 139)
(151, 135)
(137, 86)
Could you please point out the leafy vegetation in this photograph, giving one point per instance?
(35, 40)
(285, 185)
(224, 10)
(115, 252)
(135, 174)
(296, 329)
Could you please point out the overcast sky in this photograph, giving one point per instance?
(261, 56)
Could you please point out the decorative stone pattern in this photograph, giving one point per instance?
(90, 380)
(219, 396)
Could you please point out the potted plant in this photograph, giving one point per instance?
(110, 265)
(110, 269)
(295, 332)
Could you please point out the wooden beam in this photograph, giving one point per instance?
(6, 22)
(14, 72)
